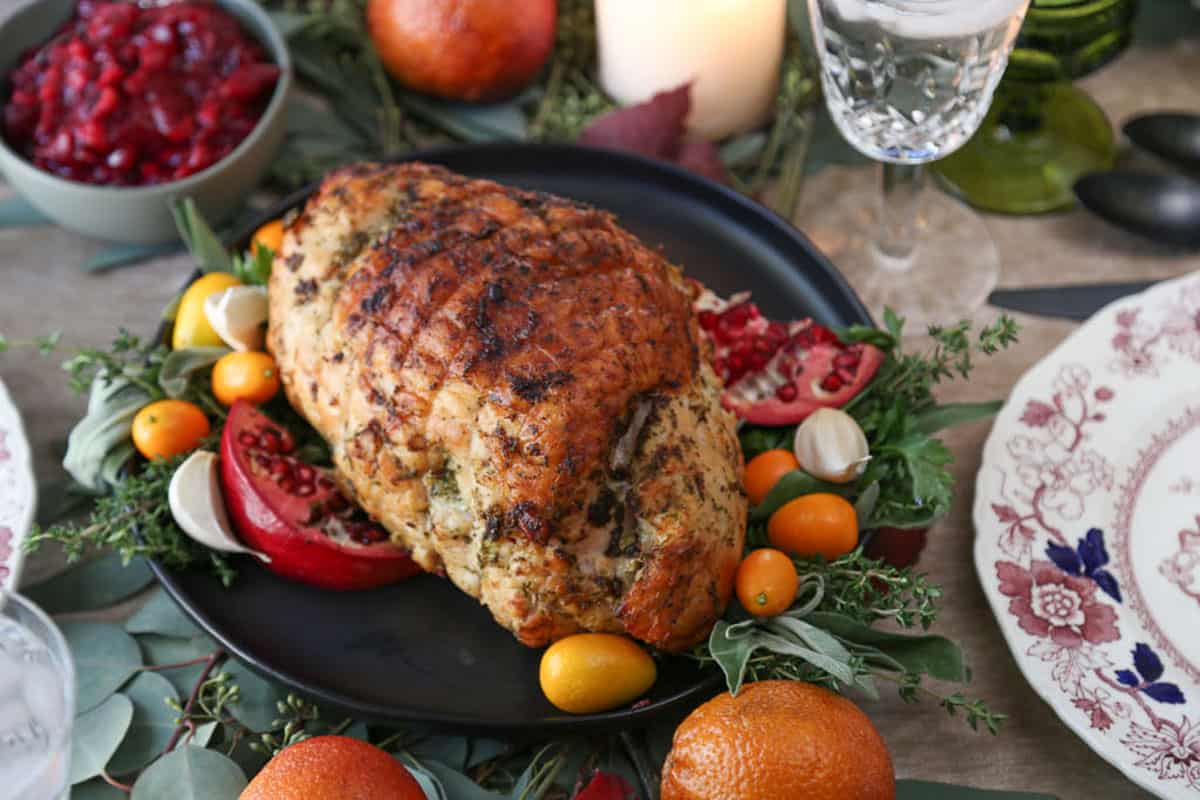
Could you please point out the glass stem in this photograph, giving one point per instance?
(899, 204)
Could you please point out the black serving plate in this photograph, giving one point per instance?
(421, 651)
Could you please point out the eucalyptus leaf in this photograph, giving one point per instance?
(792, 485)
(258, 699)
(948, 415)
(123, 255)
(199, 238)
(152, 726)
(97, 734)
(16, 211)
(358, 730)
(744, 150)
(164, 650)
(162, 616)
(93, 584)
(105, 657)
(926, 790)
(203, 734)
(467, 121)
(429, 783)
(191, 773)
(458, 786)
(483, 750)
(97, 789)
(931, 655)
(180, 366)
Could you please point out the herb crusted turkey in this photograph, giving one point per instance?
(515, 388)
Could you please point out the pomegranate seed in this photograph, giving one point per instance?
(336, 502)
(708, 320)
(286, 443)
(279, 468)
(269, 440)
(305, 490)
(247, 439)
(758, 361)
(786, 393)
(286, 484)
(847, 360)
(304, 472)
(106, 103)
(832, 382)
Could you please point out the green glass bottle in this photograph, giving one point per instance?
(1042, 133)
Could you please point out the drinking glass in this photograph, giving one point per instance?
(908, 82)
(1043, 133)
(37, 703)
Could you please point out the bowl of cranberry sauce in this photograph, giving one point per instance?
(109, 110)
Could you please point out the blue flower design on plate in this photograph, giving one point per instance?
(1087, 560)
(1146, 680)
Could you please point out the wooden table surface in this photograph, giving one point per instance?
(44, 290)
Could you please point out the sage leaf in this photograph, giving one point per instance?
(152, 726)
(191, 773)
(864, 506)
(94, 584)
(180, 366)
(105, 657)
(163, 650)
(787, 646)
(111, 409)
(97, 734)
(945, 416)
(160, 615)
(199, 239)
(112, 468)
(732, 654)
(926, 790)
(927, 654)
(792, 485)
(97, 789)
(258, 699)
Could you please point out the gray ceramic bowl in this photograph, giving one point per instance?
(142, 213)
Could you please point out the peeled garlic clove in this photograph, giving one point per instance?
(831, 446)
(239, 316)
(194, 497)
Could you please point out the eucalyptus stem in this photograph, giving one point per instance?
(213, 659)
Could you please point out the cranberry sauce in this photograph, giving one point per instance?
(129, 95)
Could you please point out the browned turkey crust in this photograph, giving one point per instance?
(513, 385)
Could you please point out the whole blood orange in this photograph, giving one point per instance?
(778, 740)
(333, 768)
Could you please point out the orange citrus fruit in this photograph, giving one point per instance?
(252, 377)
(814, 525)
(167, 428)
(333, 768)
(765, 470)
(776, 740)
(767, 582)
(590, 672)
(269, 235)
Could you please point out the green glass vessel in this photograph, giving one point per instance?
(1042, 133)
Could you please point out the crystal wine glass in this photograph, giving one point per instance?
(908, 82)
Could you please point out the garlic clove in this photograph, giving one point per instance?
(831, 446)
(239, 316)
(194, 497)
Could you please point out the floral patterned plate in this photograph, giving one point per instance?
(18, 493)
(1087, 513)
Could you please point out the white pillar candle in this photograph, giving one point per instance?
(729, 49)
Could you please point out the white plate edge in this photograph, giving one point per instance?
(22, 457)
(979, 513)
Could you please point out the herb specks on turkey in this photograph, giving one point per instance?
(513, 386)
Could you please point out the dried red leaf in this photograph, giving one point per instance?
(607, 786)
(653, 128)
(899, 547)
(702, 157)
(656, 128)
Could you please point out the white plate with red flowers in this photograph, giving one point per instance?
(1087, 516)
(18, 492)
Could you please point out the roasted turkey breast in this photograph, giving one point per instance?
(515, 388)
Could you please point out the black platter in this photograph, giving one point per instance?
(421, 651)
